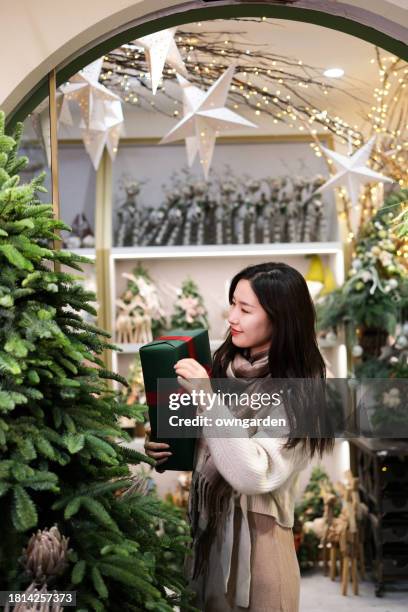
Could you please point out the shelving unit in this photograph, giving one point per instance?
(215, 264)
(212, 267)
(227, 257)
(131, 349)
(214, 344)
(227, 250)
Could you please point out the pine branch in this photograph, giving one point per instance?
(133, 457)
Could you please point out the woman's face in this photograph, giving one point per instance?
(250, 324)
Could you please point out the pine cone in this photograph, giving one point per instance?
(46, 554)
(35, 607)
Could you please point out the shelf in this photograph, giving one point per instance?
(214, 250)
(227, 250)
(131, 349)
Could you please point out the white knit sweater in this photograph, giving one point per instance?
(264, 477)
(257, 467)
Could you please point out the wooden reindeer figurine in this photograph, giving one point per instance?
(329, 500)
(132, 326)
(345, 535)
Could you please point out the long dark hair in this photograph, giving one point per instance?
(283, 294)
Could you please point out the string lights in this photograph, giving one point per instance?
(284, 89)
(277, 86)
(387, 120)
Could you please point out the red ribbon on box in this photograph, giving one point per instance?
(152, 396)
(190, 348)
(188, 339)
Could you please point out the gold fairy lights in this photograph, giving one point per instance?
(388, 121)
(206, 59)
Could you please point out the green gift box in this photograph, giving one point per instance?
(158, 359)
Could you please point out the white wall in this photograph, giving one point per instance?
(77, 183)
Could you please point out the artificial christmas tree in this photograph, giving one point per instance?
(309, 517)
(189, 309)
(61, 459)
(374, 299)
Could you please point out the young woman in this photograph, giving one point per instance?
(242, 497)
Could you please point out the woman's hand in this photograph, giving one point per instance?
(192, 375)
(160, 451)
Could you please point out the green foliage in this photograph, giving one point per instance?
(311, 504)
(401, 219)
(360, 307)
(61, 456)
(376, 291)
(371, 368)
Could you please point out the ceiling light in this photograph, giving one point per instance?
(334, 73)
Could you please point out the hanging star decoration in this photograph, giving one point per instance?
(101, 111)
(105, 132)
(160, 48)
(205, 115)
(40, 120)
(194, 95)
(352, 173)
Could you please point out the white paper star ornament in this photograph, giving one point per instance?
(205, 115)
(105, 130)
(161, 48)
(195, 96)
(352, 172)
(84, 89)
(101, 111)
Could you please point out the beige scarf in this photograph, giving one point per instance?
(210, 493)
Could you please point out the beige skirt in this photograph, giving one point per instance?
(275, 574)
